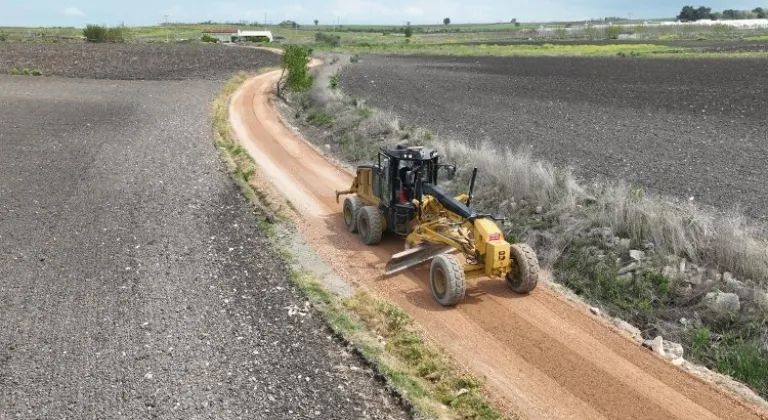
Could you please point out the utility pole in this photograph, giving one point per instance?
(167, 34)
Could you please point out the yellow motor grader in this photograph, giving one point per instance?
(399, 194)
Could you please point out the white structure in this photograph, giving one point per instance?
(248, 35)
(227, 35)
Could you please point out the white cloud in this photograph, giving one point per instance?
(413, 11)
(297, 9)
(175, 12)
(422, 10)
(73, 11)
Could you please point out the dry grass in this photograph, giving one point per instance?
(725, 241)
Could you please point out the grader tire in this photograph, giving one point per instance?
(369, 225)
(446, 279)
(352, 206)
(524, 275)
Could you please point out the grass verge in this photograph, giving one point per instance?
(386, 337)
(650, 260)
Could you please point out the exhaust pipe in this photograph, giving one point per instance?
(471, 186)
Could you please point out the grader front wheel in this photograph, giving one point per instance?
(446, 278)
(525, 269)
(370, 225)
(351, 207)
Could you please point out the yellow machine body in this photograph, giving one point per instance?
(400, 194)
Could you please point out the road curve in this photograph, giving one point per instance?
(542, 356)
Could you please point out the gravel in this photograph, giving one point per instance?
(133, 280)
(690, 128)
(134, 61)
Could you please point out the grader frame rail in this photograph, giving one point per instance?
(399, 194)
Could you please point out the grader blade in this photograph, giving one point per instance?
(412, 257)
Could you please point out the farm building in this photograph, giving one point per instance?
(221, 34)
(236, 35)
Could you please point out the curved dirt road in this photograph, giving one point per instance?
(542, 357)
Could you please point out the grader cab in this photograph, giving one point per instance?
(399, 194)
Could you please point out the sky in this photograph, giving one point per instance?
(395, 12)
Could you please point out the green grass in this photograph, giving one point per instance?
(744, 358)
(24, 72)
(597, 280)
(516, 50)
(320, 118)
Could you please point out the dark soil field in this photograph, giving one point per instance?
(703, 45)
(134, 61)
(134, 282)
(689, 128)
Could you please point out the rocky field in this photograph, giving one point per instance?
(134, 282)
(691, 128)
(133, 61)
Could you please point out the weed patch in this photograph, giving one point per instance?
(320, 118)
(24, 72)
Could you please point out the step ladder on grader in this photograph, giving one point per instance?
(399, 194)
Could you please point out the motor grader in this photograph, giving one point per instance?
(399, 194)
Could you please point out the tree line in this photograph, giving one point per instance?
(692, 14)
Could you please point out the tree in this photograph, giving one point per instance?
(408, 31)
(295, 76)
(513, 20)
(316, 22)
(447, 21)
(691, 14)
(760, 12)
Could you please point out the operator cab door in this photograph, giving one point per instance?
(382, 180)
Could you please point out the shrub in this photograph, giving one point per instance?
(295, 76)
(320, 118)
(334, 82)
(208, 38)
(355, 58)
(3, 36)
(116, 34)
(97, 33)
(612, 32)
(330, 39)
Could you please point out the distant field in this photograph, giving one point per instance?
(493, 39)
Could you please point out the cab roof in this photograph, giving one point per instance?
(417, 153)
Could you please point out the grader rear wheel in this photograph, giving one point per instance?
(525, 269)
(446, 279)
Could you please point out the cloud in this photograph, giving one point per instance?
(73, 11)
(175, 12)
(422, 10)
(297, 8)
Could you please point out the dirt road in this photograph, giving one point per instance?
(542, 357)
